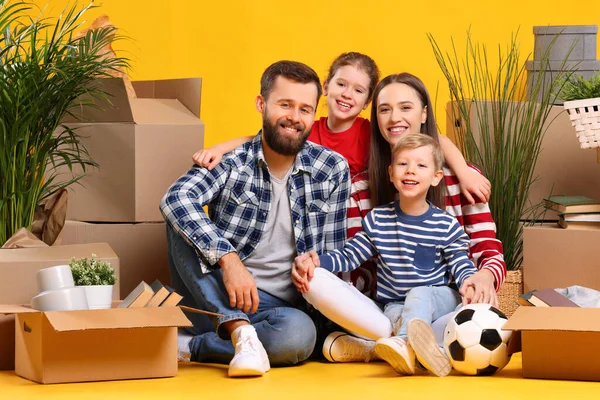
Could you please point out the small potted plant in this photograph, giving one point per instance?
(582, 102)
(97, 278)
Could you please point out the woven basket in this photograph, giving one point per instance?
(585, 117)
(510, 291)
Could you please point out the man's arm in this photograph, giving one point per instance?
(336, 218)
(182, 208)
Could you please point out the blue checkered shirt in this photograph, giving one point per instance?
(238, 195)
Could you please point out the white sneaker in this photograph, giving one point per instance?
(183, 347)
(397, 353)
(250, 357)
(422, 340)
(342, 347)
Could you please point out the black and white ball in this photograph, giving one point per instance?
(475, 342)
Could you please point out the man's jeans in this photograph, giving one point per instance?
(287, 334)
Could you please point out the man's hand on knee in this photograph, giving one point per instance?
(239, 284)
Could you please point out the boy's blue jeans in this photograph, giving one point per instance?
(424, 302)
(287, 333)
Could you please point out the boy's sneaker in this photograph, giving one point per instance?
(183, 347)
(342, 347)
(397, 353)
(250, 357)
(422, 340)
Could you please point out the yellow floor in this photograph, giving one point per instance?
(310, 381)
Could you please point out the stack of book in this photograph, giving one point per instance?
(575, 211)
(155, 295)
(545, 298)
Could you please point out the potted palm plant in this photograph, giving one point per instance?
(45, 69)
(502, 124)
(97, 278)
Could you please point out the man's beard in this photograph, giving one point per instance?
(281, 144)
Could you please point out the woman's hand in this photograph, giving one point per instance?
(472, 183)
(483, 290)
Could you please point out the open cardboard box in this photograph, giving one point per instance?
(142, 145)
(96, 345)
(558, 342)
(18, 268)
(554, 257)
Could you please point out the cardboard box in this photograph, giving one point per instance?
(18, 285)
(559, 342)
(556, 258)
(142, 146)
(562, 166)
(141, 248)
(96, 345)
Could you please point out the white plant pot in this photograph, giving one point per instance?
(98, 296)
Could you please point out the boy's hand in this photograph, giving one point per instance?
(469, 295)
(208, 158)
(303, 270)
(472, 183)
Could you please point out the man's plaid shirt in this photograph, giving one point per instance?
(238, 195)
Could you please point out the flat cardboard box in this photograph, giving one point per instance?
(562, 166)
(18, 268)
(142, 146)
(559, 342)
(96, 345)
(141, 248)
(557, 258)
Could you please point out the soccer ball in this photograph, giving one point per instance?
(474, 340)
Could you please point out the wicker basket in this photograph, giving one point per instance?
(585, 117)
(510, 291)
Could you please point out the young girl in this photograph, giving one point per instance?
(402, 105)
(419, 249)
(349, 88)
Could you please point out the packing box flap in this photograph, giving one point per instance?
(554, 319)
(114, 108)
(117, 107)
(186, 90)
(8, 309)
(33, 254)
(117, 318)
(162, 111)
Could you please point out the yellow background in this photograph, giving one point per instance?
(230, 42)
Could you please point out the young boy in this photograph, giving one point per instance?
(420, 249)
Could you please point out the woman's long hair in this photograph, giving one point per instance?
(380, 158)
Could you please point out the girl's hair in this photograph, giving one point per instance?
(382, 191)
(360, 61)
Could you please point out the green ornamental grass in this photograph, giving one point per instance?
(506, 136)
(44, 70)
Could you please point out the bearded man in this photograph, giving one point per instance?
(269, 200)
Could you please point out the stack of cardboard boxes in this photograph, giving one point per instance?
(142, 145)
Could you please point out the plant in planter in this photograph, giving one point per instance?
(97, 278)
(582, 102)
(501, 129)
(44, 70)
